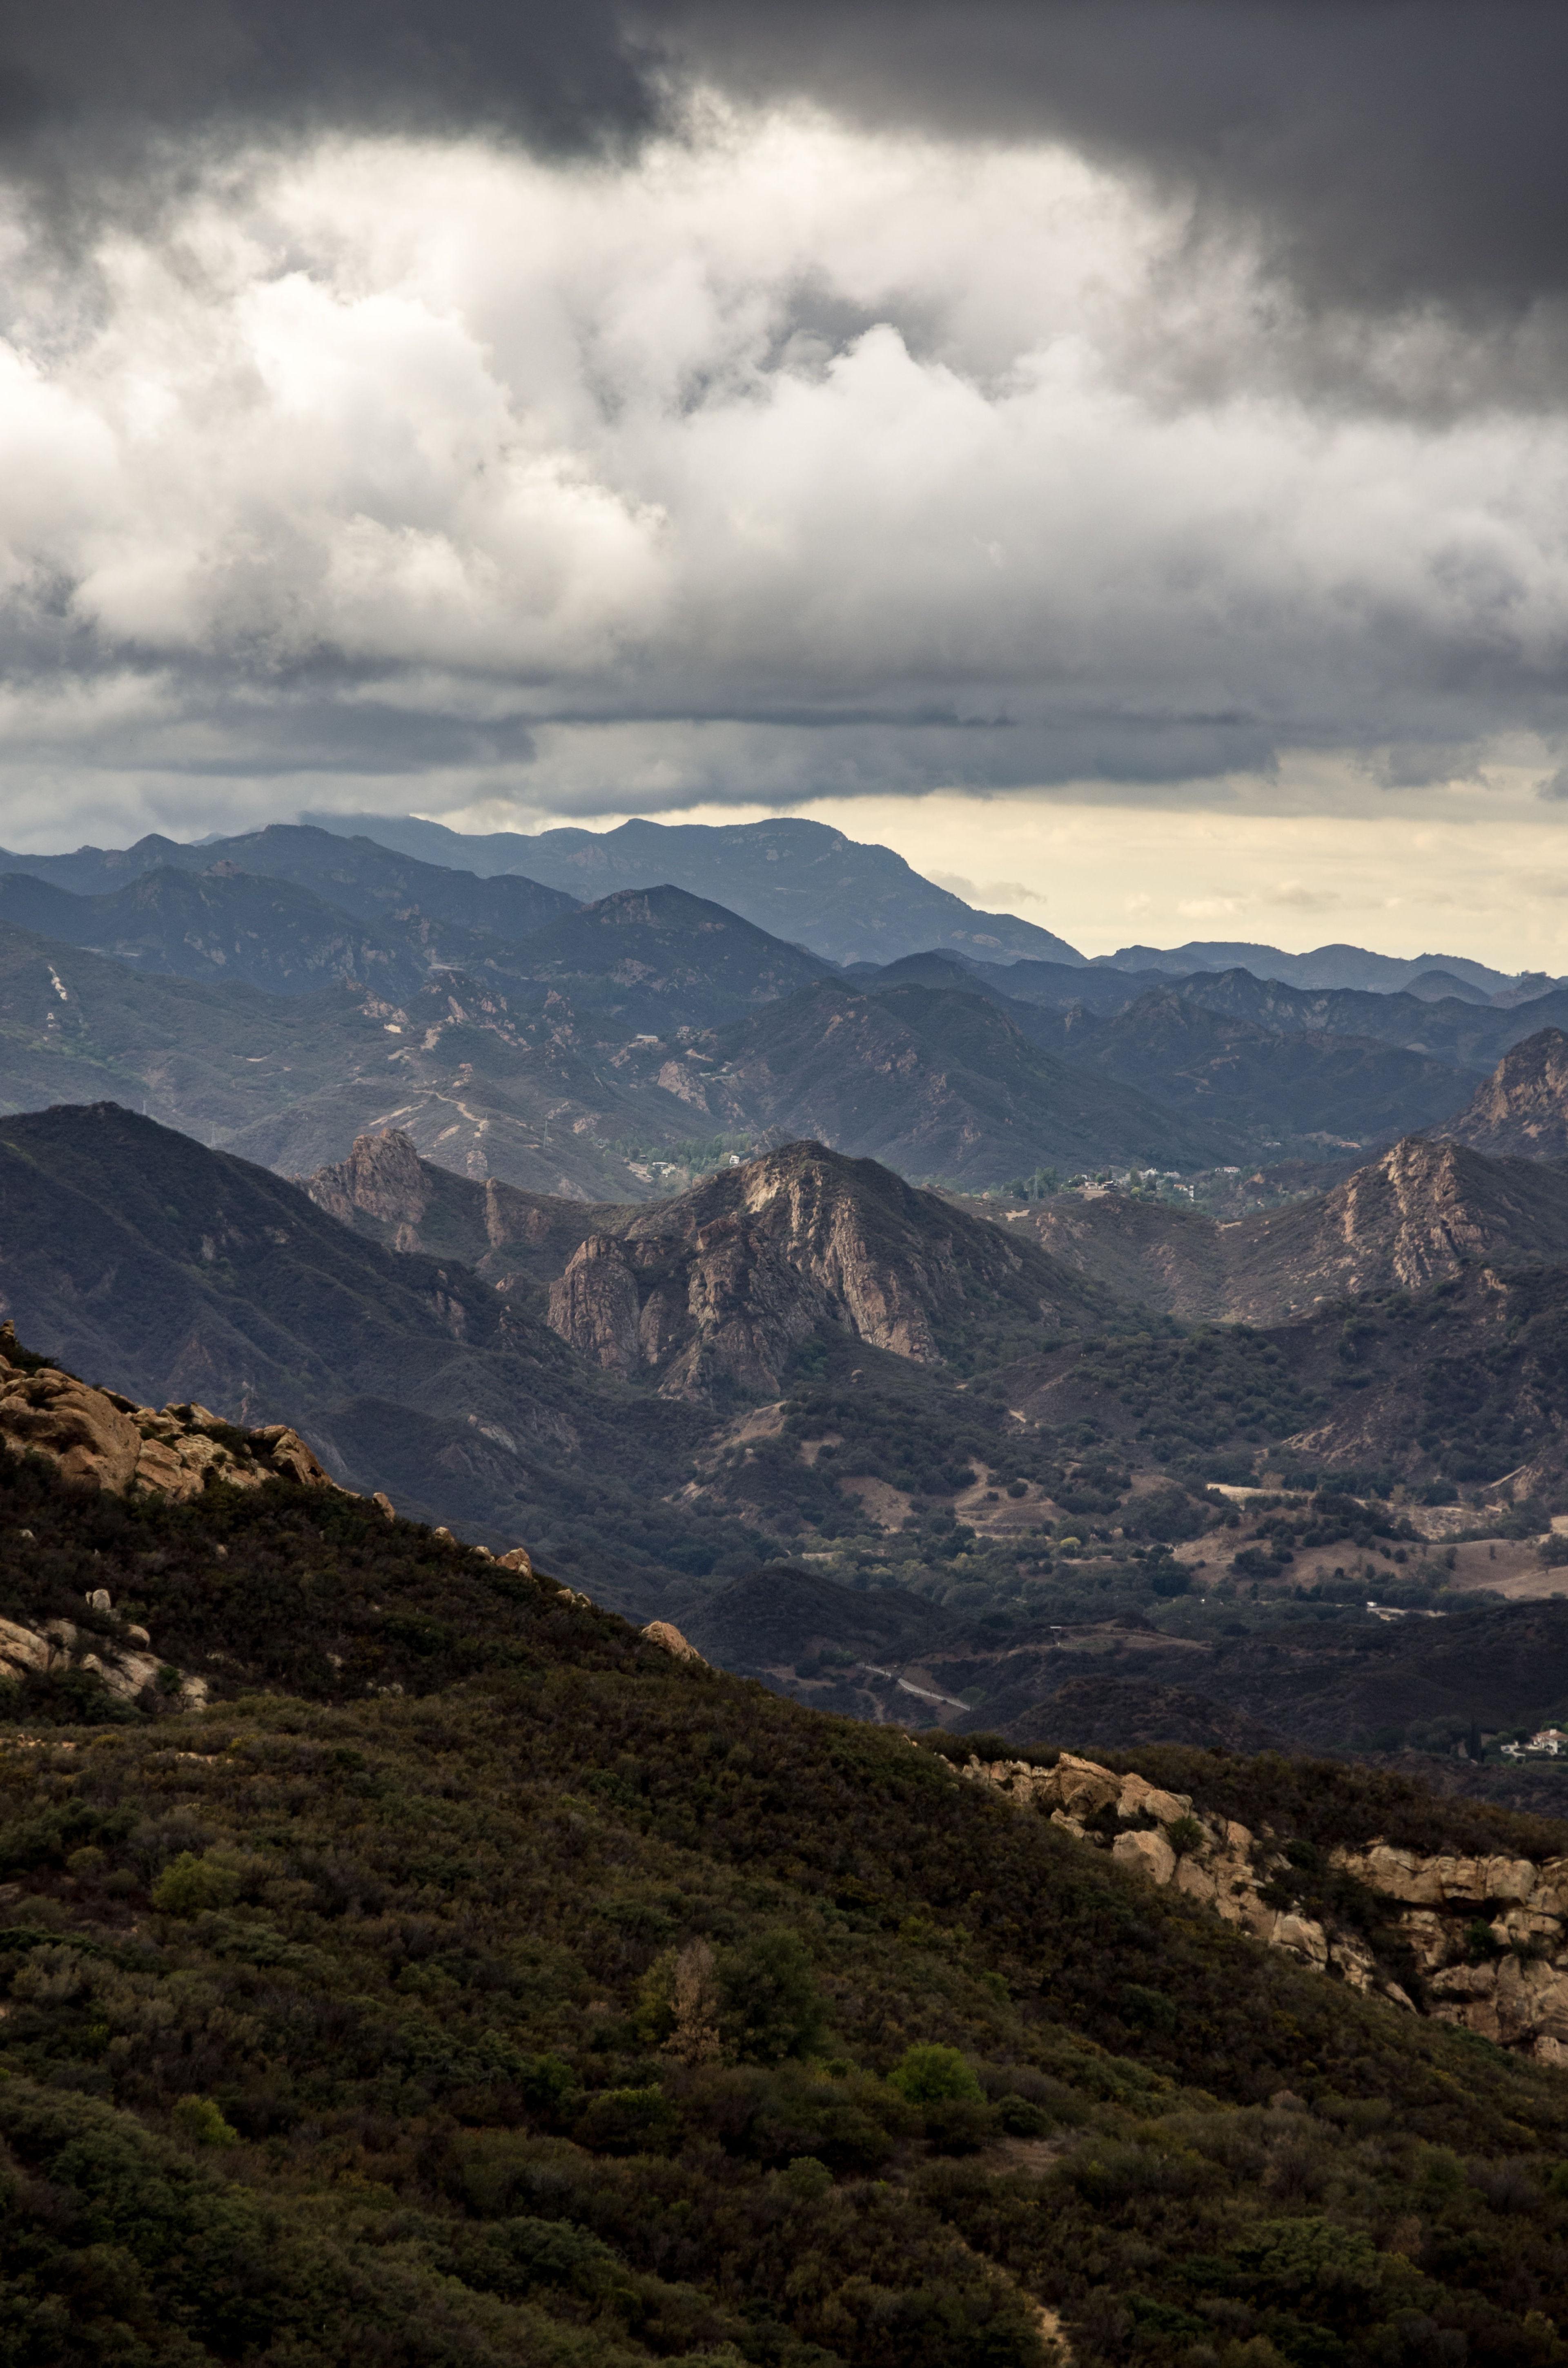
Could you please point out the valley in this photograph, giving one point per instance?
(636, 1233)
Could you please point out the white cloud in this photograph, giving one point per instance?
(785, 461)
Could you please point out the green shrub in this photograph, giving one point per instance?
(199, 2120)
(189, 1885)
(932, 2075)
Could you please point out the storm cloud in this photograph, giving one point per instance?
(596, 410)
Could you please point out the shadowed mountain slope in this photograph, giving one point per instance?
(1272, 1089)
(931, 1082)
(658, 959)
(1327, 967)
(225, 924)
(191, 1274)
(291, 1080)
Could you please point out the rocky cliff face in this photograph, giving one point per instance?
(1488, 1935)
(384, 1179)
(1523, 1107)
(719, 1286)
(101, 1440)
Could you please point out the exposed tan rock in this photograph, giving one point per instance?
(21, 1649)
(1518, 1999)
(516, 1558)
(718, 1287)
(660, 1631)
(380, 1178)
(98, 1438)
(1523, 1107)
(78, 1428)
(595, 1306)
(1138, 1798)
(125, 1671)
(1145, 1853)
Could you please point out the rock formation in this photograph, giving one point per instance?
(382, 1178)
(1490, 1935)
(122, 1656)
(100, 1438)
(660, 1631)
(1523, 1106)
(722, 1284)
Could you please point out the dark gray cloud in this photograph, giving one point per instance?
(1393, 150)
(1398, 149)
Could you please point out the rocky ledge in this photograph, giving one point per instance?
(98, 1438)
(1488, 1935)
(117, 1651)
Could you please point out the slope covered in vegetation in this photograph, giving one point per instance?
(478, 1982)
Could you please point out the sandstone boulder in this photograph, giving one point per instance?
(1146, 1853)
(1140, 1798)
(1082, 1785)
(660, 1631)
(77, 1428)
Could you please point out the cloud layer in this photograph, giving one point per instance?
(774, 456)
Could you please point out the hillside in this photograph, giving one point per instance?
(658, 960)
(1522, 1108)
(1415, 1216)
(290, 1080)
(568, 2001)
(1283, 1092)
(193, 1275)
(1327, 967)
(225, 924)
(931, 1082)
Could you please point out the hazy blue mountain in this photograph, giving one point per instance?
(652, 960)
(798, 879)
(229, 924)
(1324, 966)
(358, 875)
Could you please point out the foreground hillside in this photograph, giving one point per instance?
(476, 1980)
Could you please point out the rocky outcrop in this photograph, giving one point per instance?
(122, 1655)
(719, 1286)
(1213, 1861)
(99, 1439)
(661, 1633)
(382, 1178)
(1523, 1107)
(596, 1306)
(1489, 1935)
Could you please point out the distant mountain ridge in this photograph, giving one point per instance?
(1325, 966)
(800, 880)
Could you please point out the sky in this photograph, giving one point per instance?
(1117, 454)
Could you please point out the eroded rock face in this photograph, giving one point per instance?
(382, 1178)
(99, 1439)
(1523, 1107)
(722, 1285)
(595, 1305)
(1490, 1935)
